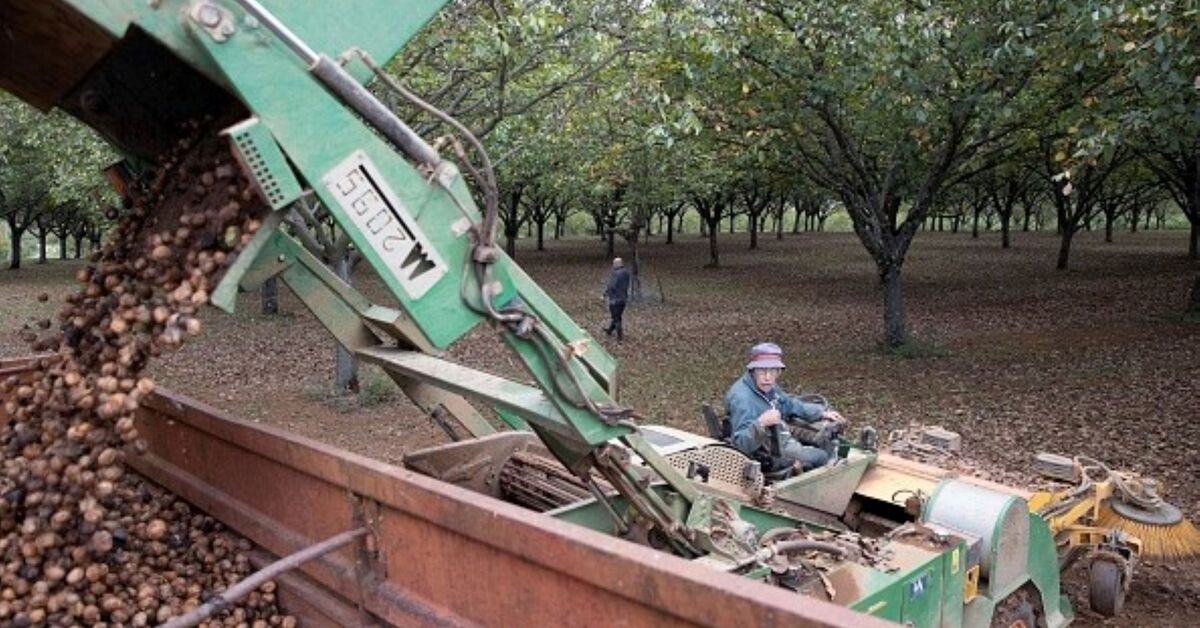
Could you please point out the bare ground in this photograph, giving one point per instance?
(1092, 361)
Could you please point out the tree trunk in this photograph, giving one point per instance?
(754, 220)
(1028, 215)
(1194, 242)
(732, 220)
(558, 225)
(635, 272)
(894, 326)
(270, 296)
(62, 248)
(1005, 223)
(14, 261)
(975, 225)
(510, 243)
(1064, 249)
(42, 248)
(612, 244)
(78, 247)
(713, 258)
(345, 375)
(796, 220)
(670, 229)
(541, 231)
(1108, 228)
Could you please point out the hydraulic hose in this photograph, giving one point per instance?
(805, 545)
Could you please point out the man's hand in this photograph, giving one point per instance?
(770, 417)
(835, 416)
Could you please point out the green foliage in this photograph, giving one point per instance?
(51, 176)
(375, 388)
(51, 153)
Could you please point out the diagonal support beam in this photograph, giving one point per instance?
(527, 402)
(345, 312)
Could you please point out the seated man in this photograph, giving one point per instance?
(755, 404)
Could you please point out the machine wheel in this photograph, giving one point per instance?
(1106, 587)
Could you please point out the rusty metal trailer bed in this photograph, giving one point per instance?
(437, 554)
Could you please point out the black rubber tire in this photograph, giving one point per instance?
(1106, 587)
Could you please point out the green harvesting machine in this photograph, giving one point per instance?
(889, 539)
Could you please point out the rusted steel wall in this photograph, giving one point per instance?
(440, 555)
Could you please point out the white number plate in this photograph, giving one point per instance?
(372, 206)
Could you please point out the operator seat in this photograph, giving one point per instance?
(721, 429)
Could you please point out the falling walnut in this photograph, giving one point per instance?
(82, 541)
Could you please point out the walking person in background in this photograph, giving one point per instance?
(617, 294)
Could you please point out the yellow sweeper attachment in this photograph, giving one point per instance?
(1108, 505)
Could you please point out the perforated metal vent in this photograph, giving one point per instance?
(254, 160)
(265, 164)
(726, 465)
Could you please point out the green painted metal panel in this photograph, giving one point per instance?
(1043, 572)
(922, 591)
(403, 225)
(954, 577)
(380, 27)
(590, 514)
(978, 613)
(882, 599)
(828, 489)
(225, 296)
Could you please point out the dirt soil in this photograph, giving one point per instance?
(1023, 358)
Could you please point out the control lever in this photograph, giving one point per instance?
(775, 432)
(698, 469)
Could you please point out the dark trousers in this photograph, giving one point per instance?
(616, 309)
